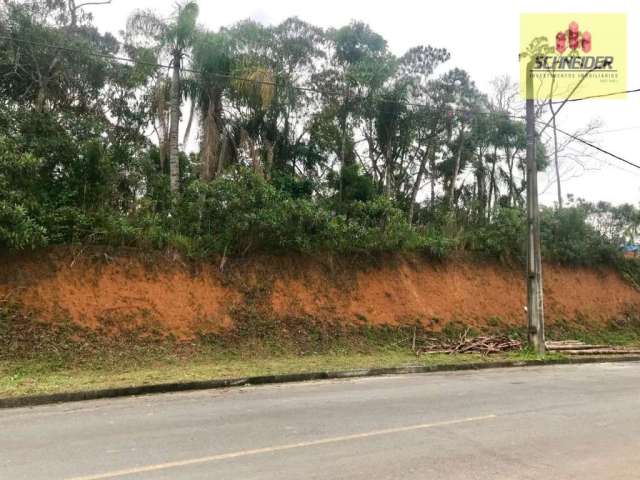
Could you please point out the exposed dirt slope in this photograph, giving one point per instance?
(124, 289)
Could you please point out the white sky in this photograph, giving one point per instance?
(483, 38)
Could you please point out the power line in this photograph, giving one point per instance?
(109, 56)
(602, 150)
(316, 90)
(602, 160)
(296, 87)
(603, 95)
(566, 100)
(616, 130)
(252, 80)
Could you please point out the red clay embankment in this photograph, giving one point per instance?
(90, 288)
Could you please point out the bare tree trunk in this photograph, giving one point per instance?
(255, 158)
(210, 144)
(456, 169)
(481, 192)
(492, 184)
(43, 81)
(416, 185)
(187, 132)
(343, 130)
(174, 165)
(223, 154)
(555, 154)
(387, 171)
(496, 194)
(343, 145)
(507, 154)
(432, 179)
(163, 137)
(269, 161)
(40, 99)
(254, 152)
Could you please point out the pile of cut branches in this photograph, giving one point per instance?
(466, 344)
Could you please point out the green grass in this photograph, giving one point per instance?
(620, 332)
(40, 358)
(40, 376)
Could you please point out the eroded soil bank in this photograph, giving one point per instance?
(95, 289)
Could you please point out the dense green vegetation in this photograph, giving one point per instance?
(263, 138)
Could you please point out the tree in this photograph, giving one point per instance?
(313, 137)
(428, 121)
(465, 103)
(159, 98)
(34, 71)
(571, 157)
(75, 9)
(293, 51)
(358, 64)
(173, 37)
(212, 62)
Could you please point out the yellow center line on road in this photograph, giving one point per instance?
(277, 448)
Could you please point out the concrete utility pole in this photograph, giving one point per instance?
(535, 303)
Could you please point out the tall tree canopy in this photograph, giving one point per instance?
(291, 132)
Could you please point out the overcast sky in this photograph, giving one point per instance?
(483, 38)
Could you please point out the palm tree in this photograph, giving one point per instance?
(174, 37)
(160, 104)
(254, 89)
(212, 65)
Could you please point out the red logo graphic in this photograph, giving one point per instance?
(576, 39)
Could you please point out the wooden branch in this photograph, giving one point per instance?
(103, 2)
(483, 344)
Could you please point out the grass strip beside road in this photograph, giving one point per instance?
(41, 376)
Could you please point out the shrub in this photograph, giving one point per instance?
(503, 238)
(18, 230)
(19, 206)
(241, 212)
(567, 237)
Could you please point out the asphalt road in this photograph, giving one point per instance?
(562, 422)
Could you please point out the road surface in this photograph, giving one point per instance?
(561, 422)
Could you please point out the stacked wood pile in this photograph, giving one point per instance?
(486, 345)
(465, 344)
(575, 347)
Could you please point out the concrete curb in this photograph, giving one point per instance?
(34, 400)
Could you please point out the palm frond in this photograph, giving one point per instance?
(257, 84)
(184, 27)
(145, 24)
